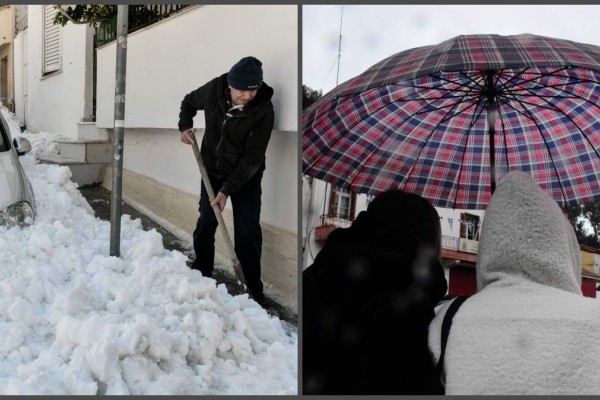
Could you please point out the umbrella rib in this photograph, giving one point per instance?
(555, 86)
(453, 105)
(570, 95)
(514, 108)
(421, 151)
(474, 119)
(583, 134)
(537, 76)
(406, 120)
(554, 107)
(464, 152)
(383, 142)
(474, 104)
(328, 150)
(513, 97)
(550, 154)
(437, 87)
(471, 95)
(504, 135)
(477, 83)
(508, 78)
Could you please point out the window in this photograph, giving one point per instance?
(22, 20)
(52, 48)
(469, 226)
(342, 203)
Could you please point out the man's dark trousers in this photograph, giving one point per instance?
(247, 232)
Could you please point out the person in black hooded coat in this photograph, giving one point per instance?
(368, 299)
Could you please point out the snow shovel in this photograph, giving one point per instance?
(237, 266)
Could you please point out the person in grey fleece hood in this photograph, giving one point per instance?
(528, 330)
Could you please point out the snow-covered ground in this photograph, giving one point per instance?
(74, 320)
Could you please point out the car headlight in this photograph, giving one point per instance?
(18, 214)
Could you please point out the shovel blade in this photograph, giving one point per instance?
(239, 273)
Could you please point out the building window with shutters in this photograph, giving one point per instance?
(52, 42)
(342, 203)
(469, 226)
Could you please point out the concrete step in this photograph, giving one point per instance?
(92, 151)
(83, 173)
(89, 131)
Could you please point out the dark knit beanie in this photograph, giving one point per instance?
(246, 74)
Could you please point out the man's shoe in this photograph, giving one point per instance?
(197, 268)
(259, 298)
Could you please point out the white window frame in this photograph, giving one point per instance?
(342, 203)
(469, 226)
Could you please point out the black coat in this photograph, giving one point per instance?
(368, 299)
(233, 148)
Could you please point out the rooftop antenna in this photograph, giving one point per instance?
(337, 78)
(339, 48)
(306, 247)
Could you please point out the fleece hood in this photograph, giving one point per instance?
(526, 238)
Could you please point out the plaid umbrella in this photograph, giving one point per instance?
(447, 121)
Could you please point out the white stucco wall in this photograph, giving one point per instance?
(173, 57)
(159, 154)
(190, 49)
(66, 87)
(19, 75)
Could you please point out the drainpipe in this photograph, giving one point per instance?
(117, 162)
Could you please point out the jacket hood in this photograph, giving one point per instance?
(526, 238)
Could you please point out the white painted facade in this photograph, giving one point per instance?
(173, 57)
(7, 27)
(54, 102)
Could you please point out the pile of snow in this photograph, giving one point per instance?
(74, 320)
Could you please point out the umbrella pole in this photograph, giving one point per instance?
(491, 120)
(491, 117)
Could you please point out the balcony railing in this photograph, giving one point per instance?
(337, 220)
(449, 242)
(329, 222)
(140, 16)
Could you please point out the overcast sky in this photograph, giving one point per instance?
(371, 33)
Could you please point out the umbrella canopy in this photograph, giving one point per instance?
(448, 121)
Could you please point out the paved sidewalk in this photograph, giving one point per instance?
(99, 199)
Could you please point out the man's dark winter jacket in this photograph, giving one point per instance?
(233, 148)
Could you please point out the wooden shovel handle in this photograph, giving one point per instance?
(237, 266)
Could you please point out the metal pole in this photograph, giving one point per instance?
(339, 49)
(491, 120)
(117, 162)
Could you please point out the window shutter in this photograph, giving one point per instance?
(52, 42)
(332, 201)
(352, 207)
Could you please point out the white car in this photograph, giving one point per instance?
(17, 202)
